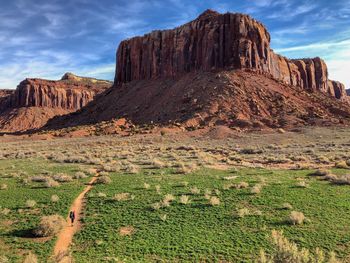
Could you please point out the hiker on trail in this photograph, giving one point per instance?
(72, 216)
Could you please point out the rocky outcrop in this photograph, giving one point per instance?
(217, 41)
(35, 101)
(71, 92)
(5, 96)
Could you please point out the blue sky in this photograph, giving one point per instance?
(46, 38)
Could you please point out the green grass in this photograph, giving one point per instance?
(200, 232)
(15, 228)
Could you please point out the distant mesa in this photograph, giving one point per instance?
(37, 100)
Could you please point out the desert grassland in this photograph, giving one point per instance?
(181, 198)
(19, 215)
(234, 230)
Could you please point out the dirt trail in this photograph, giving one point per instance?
(65, 237)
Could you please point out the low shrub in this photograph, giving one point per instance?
(287, 251)
(30, 258)
(296, 218)
(195, 191)
(55, 198)
(50, 226)
(242, 185)
(79, 175)
(214, 201)
(104, 179)
(341, 165)
(122, 197)
(30, 204)
(321, 172)
(256, 189)
(49, 183)
(287, 206)
(62, 178)
(185, 199)
(242, 212)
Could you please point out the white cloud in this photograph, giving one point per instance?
(317, 46)
(335, 53)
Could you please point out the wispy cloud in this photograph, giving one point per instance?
(317, 46)
(40, 38)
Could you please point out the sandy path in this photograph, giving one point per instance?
(65, 237)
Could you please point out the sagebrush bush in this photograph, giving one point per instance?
(30, 203)
(104, 179)
(184, 184)
(228, 178)
(296, 218)
(38, 179)
(256, 189)
(122, 196)
(49, 183)
(156, 206)
(214, 201)
(102, 195)
(4, 259)
(186, 168)
(302, 184)
(287, 206)
(55, 198)
(30, 258)
(242, 185)
(242, 212)
(341, 165)
(5, 211)
(156, 163)
(195, 190)
(321, 172)
(132, 169)
(184, 199)
(287, 251)
(163, 217)
(79, 175)
(169, 198)
(340, 179)
(50, 226)
(62, 178)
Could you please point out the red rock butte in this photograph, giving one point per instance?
(218, 69)
(218, 41)
(35, 101)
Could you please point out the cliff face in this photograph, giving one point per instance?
(5, 96)
(41, 93)
(218, 41)
(71, 92)
(35, 101)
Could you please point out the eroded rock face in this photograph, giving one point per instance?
(71, 93)
(35, 101)
(217, 41)
(5, 97)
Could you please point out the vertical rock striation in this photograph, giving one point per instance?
(218, 41)
(70, 93)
